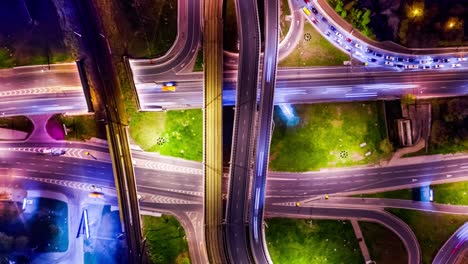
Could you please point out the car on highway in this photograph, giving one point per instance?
(57, 152)
(358, 53)
(437, 66)
(411, 66)
(298, 204)
(399, 59)
(425, 67)
(332, 28)
(348, 48)
(306, 11)
(339, 34)
(378, 54)
(96, 194)
(371, 60)
(314, 10)
(462, 59)
(456, 65)
(169, 86)
(46, 151)
(369, 50)
(389, 63)
(409, 60)
(324, 19)
(425, 61)
(349, 40)
(315, 21)
(400, 66)
(391, 58)
(328, 33)
(357, 45)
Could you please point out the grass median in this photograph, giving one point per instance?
(455, 193)
(315, 51)
(165, 240)
(385, 247)
(171, 133)
(303, 241)
(431, 229)
(329, 135)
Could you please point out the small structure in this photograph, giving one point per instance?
(404, 132)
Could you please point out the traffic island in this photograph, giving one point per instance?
(165, 240)
(431, 229)
(302, 241)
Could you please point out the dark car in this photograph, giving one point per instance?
(400, 66)
(378, 55)
(369, 50)
(409, 60)
(332, 28)
(371, 60)
(399, 59)
(324, 19)
(314, 10)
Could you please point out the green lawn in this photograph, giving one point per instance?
(431, 229)
(284, 25)
(329, 135)
(82, 127)
(171, 133)
(302, 241)
(406, 194)
(199, 62)
(318, 51)
(455, 193)
(6, 58)
(230, 27)
(165, 240)
(21, 123)
(385, 247)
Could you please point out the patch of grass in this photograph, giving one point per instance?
(431, 229)
(171, 133)
(318, 51)
(81, 127)
(451, 193)
(455, 193)
(329, 135)
(199, 62)
(166, 240)
(385, 247)
(21, 123)
(301, 241)
(406, 194)
(284, 25)
(230, 27)
(6, 58)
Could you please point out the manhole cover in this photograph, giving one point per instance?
(307, 36)
(160, 141)
(344, 154)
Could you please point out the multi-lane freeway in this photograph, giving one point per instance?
(243, 133)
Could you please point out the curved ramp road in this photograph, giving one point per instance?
(185, 48)
(242, 137)
(453, 247)
(391, 222)
(339, 32)
(265, 120)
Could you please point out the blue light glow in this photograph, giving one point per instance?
(288, 115)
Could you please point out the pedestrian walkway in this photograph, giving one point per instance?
(39, 133)
(360, 238)
(397, 156)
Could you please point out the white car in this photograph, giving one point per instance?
(358, 53)
(339, 34)
(357, 45)
(411, 67)
(425, 61)
(437, 66)
(462, 59)
(389, 63)
(456, 65)
(389, 58)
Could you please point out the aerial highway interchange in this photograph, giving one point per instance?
(182, 193)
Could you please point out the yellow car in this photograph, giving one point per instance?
(298, 204)
(169, 87)
(326, 196)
